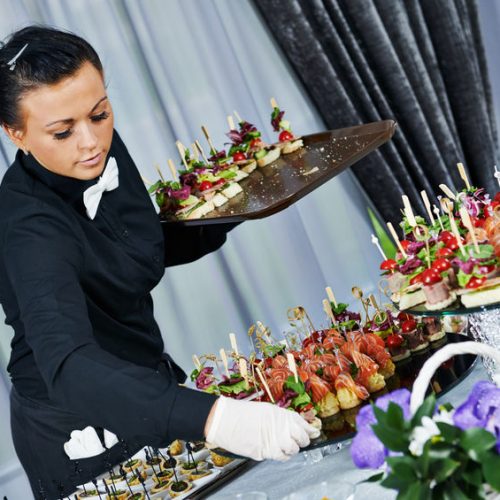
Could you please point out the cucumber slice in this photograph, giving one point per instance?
(260, 154)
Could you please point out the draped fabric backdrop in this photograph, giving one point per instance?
(172, 66)
(419, 62)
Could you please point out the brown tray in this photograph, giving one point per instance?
(275, 187)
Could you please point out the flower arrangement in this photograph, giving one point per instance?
(433, 452)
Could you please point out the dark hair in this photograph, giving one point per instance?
(51, 56)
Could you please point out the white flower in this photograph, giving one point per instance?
(444, 416)
(421, 434)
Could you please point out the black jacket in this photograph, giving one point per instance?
(77, 294)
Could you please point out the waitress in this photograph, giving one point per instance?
(82, 248)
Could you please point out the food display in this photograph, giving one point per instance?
(452, 259)
(181, 469)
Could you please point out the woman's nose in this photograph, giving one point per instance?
(87, 139)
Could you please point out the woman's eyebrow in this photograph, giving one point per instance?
(69, 120)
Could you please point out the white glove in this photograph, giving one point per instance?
(258, 430)
(86, 443)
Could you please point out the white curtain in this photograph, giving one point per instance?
(171, 66)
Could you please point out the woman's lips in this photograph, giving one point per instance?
(91, 162)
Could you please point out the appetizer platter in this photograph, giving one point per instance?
(327, 374)
(449, 262)
(252, 179)
(182, 470)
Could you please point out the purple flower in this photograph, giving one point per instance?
(205, 378)
(482, 409)
(366, 449)
(410, 265)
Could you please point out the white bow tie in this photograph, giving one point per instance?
(107, 182)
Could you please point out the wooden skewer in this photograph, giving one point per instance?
(146, 181)
(207, 137)
(427, 204)
(446, 205)
(447, 191)
(230, 122)
(374, 304)
(396, 239)
(172, 168)
(464, 215)
(264, 383)
(292, 365)
(331, 297)
(223, 357)
(377, 244)
(263, 331)
(234, 345)
(328, 310)
(408, 211)
(159, 172)
(182, 153)
(438, 212)
(456, 233)
(196, 361)
(238, 117)
(194, 149)
(200, 149)
(244, 371)
(274, 104)
(463, 175)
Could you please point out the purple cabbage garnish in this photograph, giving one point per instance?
(410, 265)
(205, 378)
(276, 118)
(179, 194)
(286, 400)
(414, 247)
(220, 155)
(188, 179)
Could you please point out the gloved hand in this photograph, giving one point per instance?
(258, 430)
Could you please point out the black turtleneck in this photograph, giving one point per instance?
(77, 294)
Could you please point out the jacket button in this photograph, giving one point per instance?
(125, 233)
(156, 258)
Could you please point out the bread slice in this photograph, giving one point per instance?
(272, 155)
(232, 190)
(240, 175)
(249, 167)
(412, 299)
(481, 297)
(219, 199)
(292, 146)
(202, 210)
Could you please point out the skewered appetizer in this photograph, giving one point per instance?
(288, 142)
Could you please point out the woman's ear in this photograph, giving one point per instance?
(16, 136)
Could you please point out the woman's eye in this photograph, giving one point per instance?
(100, 116)
(59, 136)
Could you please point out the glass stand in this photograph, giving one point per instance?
(485, 327)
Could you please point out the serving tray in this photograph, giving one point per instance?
(275, 187)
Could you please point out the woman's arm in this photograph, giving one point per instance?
(43, 261)
(185, 244)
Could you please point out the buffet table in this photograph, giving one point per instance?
(280, 479)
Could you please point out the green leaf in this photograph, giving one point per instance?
(426, 409)
(385, 242)
(450, 433)
(491, 470)
(394, 482)
(395, 417)
(233, 389)
(403, 467)
(154, 187)
(160, 199)
(474, 475)
(453, 492)
(301, 400)
(416, 491)
(194, 374)
(298, 386)
(373, 479)
(476, 441)
(444, 469)
(393, 440)
(339, 308)
(484, 252)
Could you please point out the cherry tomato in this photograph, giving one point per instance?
(445, 252)
(477, 222)
(489, 210)
(405, 244)
(430, 277)
(255, 143)
(205, 185)
(394, 340)
(416, 279)
(408, 326)
(239, 156)
(441, 265)
(220, 182)
(445, 236)
(285, 136)
(402, 316)
(452, 244)
(475, 282)
(497, 197)
(389, 265)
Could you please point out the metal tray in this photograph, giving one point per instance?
(275, 187)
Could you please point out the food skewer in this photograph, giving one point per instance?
(194, 149)
(466, 220)
(427, 204)
(200, 149)
(463, 175)
(234, 345)
(182, 153)
(173, 170)
(456, 233)
(331, 297)
(230, 122)
(396, 239)
(377, 244)
(447, 191)
(438, 215)
(196, 362)
(213, 149)
(223, 357)
(244, 371)
(159, 172)
(409, 211)
(238, 117)
(328, 310)
(292, 365)
(265, 385)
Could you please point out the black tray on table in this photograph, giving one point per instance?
(455, 309)
(276, 186)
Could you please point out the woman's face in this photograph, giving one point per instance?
(68, 126)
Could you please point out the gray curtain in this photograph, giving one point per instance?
(420, 62)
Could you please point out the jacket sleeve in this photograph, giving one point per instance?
(44, 262)
(185, 244)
